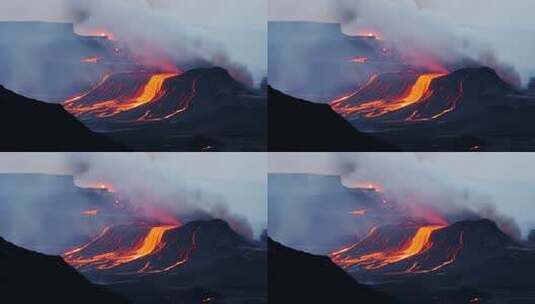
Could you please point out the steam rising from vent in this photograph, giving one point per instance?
(423, 192)
(161, 196)
(418, 32)
(152, 34)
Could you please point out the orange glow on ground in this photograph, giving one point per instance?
(150, 243)
(91, 60)
(414, 246)
(92, 212)
(376, 108)
(359, 212)
(360, 59)
(151, 91)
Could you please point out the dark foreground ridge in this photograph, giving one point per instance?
(31, 277)
(299, 277)
(299, 125)
(31, 125)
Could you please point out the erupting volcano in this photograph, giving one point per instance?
(137, 96)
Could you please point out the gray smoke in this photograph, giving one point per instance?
(410, 184)
(418, 32)
(42, 61)
(44, 212)
(154, 30)
(156, 192)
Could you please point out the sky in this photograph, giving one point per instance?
(236, 179)
(505, 179)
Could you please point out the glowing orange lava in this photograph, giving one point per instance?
(375, 108)
(368, 33)
(92, 212)
(149, 244)
(96, 185)
(359, 212)
(91, 60)
(98, 33)
(416, 268)
(360, 59)
(150, 92)
(417, 244)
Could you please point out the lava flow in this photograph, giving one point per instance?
(138, 96)
(417, 92)
(414, 246)
(91, 60)
(149, 244)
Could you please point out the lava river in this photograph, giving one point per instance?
(399, 94)
(398, 251)
(130, 248)
(137, 96)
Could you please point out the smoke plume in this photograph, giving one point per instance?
(416, 30)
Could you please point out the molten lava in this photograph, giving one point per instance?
(360, 59)
(414, 246)
(150, 243)
(371, 109)
(139, 95)
(92, 212)
(359, 212)
(410, 98)
(97, 33)
(91, 60)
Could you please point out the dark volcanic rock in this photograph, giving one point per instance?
(531, 236)
(223, 115)
(30, 125)
(299, 277)
(222, 266)
(31, 277)
(298, 125)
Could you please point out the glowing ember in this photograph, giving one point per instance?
(417, 244)
(370, 34)
(98, 33)
(96, 185)
(359, 212)
(371, 109)
(91, 60)
(373, 186)
(92, 212)
(360, 59)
